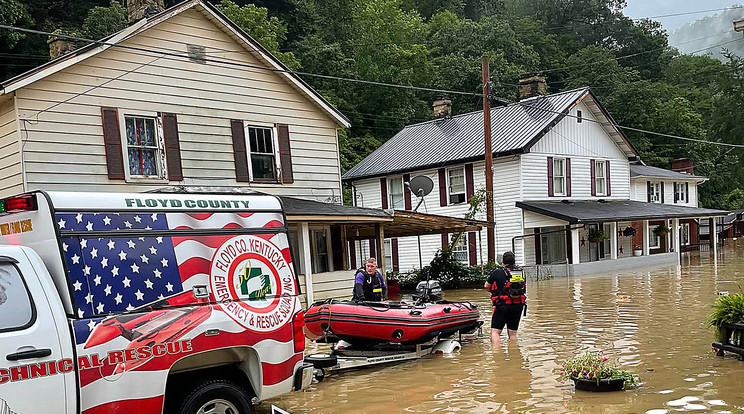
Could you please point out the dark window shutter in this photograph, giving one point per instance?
(538, 251)
(445, 240)
(407, 191)
(607, 178)
(648, 191)
(472, 249)
(662, 192)
(352, 254)
(687, 192)
(442, 187)
(372, 250)
(239, 151)
(285, 153)
(568, 177)
(394, 247)
(550, 177)
(469, 184)
(112, 143)
(674, 185)
(172, 147)
(593, 176)
(383, 192)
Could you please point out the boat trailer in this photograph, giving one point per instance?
(343, 356)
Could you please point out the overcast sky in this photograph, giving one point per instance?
(647, 8)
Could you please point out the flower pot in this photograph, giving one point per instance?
(607, 384)
(637, 252)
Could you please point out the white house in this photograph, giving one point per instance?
(184, 100)
(560, 169)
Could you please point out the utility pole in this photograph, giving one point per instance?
(489, 160)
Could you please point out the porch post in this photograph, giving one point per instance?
(344, 249)
(306, 261)
(380, 234)
(714, 236)
(613, 240)
(675, 235)
(646, 231)
(575, 244)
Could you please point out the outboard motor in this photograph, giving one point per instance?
(428, 291)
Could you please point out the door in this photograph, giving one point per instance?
(593, 247)
(319, 245)
(33, 370)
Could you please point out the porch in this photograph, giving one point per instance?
(583, 237)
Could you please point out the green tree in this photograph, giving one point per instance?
(734, 200)
(13, 13)
(104, 21)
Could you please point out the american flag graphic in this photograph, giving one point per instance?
(115, 273)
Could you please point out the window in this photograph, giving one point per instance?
(396, 200)
(654, 192)
(600, 181)
(684, 238)
(319, 245)
(16, 309)
(456, 181)
(680, 193)
(653, 239)
(262, 153)
(578, 117)
(559, 176)
(144, 147)
(552, 245)
(388, 256)
(460, 250)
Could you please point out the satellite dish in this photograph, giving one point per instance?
(421, 185)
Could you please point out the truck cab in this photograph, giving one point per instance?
(147, 303)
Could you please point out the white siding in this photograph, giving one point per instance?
(532, 220)
(65, 151)
(11, 180)
(535, 178)
(640, 191)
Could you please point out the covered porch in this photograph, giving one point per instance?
(321, 236)
(580, 237)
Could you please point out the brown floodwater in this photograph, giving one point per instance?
(659, 332)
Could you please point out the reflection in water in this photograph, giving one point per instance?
(651, 320)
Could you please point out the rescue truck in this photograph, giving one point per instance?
(147, 303)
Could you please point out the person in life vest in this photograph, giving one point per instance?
(508, 288)
(369, 284)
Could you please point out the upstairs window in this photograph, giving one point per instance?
(144, 147)
(654, 192)
(396, 199)
(262, 156)
(680, 192)
(600, 181)
(456, 181)
(559, 176)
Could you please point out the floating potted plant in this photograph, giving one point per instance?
(596, 236)
(637, 250)
(661, 230)
(596, 372)
(629, 231)
(727, 310)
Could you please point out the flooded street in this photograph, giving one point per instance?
(652, 320)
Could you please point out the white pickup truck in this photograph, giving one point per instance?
(146, 303)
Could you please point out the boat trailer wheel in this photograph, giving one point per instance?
(322, 360)
(319, 374)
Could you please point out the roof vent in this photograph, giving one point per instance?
(197, 53)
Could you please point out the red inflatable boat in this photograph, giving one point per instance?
(368, 323)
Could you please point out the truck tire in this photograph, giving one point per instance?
(321, 360)
(216, 396)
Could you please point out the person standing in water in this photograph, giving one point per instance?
(508, 287)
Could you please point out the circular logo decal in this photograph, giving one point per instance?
(254, 282)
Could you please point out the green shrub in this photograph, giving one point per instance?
(726, 309)
(450, 272)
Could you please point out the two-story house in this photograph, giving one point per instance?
(184, 100)
(561, 170)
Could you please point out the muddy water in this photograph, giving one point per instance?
(651, 320)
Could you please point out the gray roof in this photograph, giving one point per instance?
(301, 207)
(514, 129)
(616, 210)
(637, 170)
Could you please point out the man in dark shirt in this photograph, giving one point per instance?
(369, 284)
(507, 287)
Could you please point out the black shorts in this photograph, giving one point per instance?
(508, 315)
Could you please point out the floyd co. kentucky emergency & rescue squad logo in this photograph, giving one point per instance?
(254, 283)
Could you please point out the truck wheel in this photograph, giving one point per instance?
(321, 360)
(216, 396)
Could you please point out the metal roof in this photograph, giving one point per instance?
(514, 129)
(637, 170)
(616, 210)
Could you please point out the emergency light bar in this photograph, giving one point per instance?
(26, 202)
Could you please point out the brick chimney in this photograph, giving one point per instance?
(532, 85)
(60, 46)
(442, 108)
(683, 165)
(138, 9)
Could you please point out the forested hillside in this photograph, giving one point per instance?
(629, 64)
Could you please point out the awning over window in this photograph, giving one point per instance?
(614, 210)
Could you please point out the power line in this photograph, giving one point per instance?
(694, 12)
